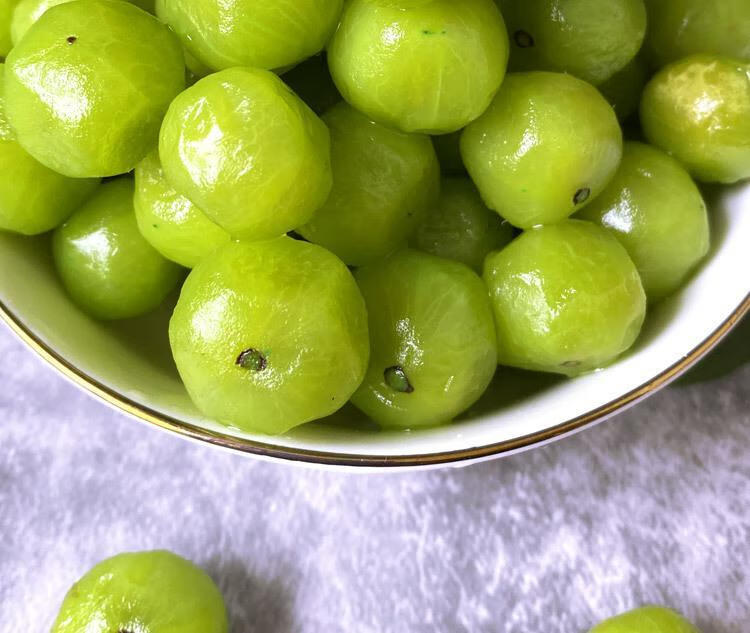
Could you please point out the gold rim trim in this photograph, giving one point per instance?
(272, 451)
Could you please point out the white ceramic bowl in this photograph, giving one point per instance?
(136, 374)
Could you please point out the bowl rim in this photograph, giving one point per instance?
(275, 452)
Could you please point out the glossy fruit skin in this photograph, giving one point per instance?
(431, 318)
(591, 39)
(248, 151)
(148, 592)
(105, 264)
(80, 91)
(33, 199)
(680, 28)
(624, 89)
(698, 110)
(27, 12)
(6, 15)
(257, 33)
(567, 299)
(404, 64)
(646, 620)
(546, 147)
(460, 227)
(293, 302)
(384, 183)
(656, 211)
(172, 224)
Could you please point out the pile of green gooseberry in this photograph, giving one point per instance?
(160, 592)
(338, 252)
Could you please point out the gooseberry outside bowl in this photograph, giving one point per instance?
(128, 365)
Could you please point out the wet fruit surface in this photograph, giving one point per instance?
(567, 299)
(244, 148)
(432, 340)
(537, 120)
(143, 592)
(269, 335)
(591, 39)
(33, 198)
(698, 110)
(384, 184)
(656, 211)
(405, 64)
(88, 85)
(106, 265)
(259, 33)
(170, 222)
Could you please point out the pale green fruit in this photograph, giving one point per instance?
(259, 33)
(144, 592)
(244, 148)
(170, 222)
(88, 85)
(567, 299)
(546, 147)
(384, 183)
(33, 198)
(646, 620)
(270, 335)
(27, 12)
(428, 66)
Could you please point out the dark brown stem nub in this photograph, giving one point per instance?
(396, 379)
(252, 360)
(581, 195)
(523, 39)
(72, 39)
(123, 631)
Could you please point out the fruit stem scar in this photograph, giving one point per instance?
(581, 195)
(252, 360)
(396, 379)
(523, 39)
(72, 40)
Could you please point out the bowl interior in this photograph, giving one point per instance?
(132, 359)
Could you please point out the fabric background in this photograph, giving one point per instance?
(653, 506)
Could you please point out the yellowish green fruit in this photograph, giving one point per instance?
(384, 183)
(646, 620)
(432, 340)
(105, 264)
(567, 299)
(6, 17)
(33, 198)
(591, 39)
(428, 66)
(546, 147)
(461, 227)
(88, 85)
(143, 592)
(270, 335)
(680, 28)
(656, 211)
(698, 110)
(27, 12)
(244, 148)
(170, 222)
(257, 33)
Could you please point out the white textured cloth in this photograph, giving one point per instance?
(653, 506)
